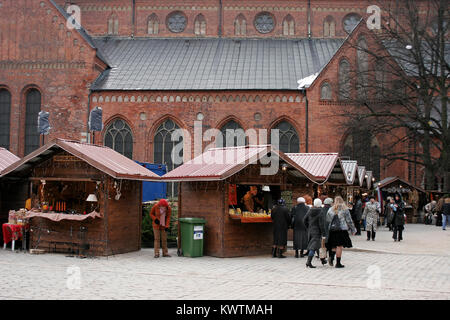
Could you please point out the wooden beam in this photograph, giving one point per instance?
(63, 179)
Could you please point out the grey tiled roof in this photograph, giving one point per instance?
(211, 64)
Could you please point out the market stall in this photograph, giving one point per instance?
(413, 196)
(82, 198)
(233, 189)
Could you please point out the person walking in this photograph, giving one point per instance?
(160, 215)
(328, 202)
(439, 208)
(300, 232)
(371, 216)
(398, 218)
(429, 209)
(358, 215)
(313, 221)
(281, 221)
(339, 224)
(387, 212)
(445, 211)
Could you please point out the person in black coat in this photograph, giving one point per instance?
(300, 232)
(281, 221)
(315, 224)
(398, 219)
(357, 209)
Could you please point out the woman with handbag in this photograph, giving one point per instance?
(340, 223)
(314, 222)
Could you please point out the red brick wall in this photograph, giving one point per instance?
(38, 51)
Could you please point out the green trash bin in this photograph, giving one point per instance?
(192, 230)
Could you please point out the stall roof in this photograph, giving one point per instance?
(350, 168)
(6, 159)
(361, 175)
(220, 163)
(387, 181)
(321, 166)
(102, 158)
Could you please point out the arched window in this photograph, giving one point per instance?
(325, 91)
(363, 69)
(344, 80)
(118, 136)
(113, 25)
(380, 79)
(240, 25)
(162, 150)
(153, 24)
(288, 26)
(200, 25)
(5, 117)
(33, 107)
(289, 141)
(232, 135)
(350, 21)
(362, 146)
(329, 27)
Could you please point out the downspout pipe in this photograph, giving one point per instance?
(88, 136)
(309, 20)
(220, 18)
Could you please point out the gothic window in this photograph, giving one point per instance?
(264, 22)
(289, 141)
(162, 150)
(380, 79)
(362, 146)
(176, 21)
(325, 91)
(240, 26)
(5, 117)
(200, 25)
(329, 27)
(232, 135)
(118, 136)
(350, 21)
(363, 68)
(33, 107)
(113, 25)
(344, 80)
(288, 26)
(153, 24)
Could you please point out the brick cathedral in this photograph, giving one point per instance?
(157, 65)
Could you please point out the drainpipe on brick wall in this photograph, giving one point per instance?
(309, 19)
(306, 122)
(88, 136)
(220, 18)
(133, 17)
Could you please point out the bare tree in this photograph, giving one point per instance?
(398, 87)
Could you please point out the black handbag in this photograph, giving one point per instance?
(335, 223)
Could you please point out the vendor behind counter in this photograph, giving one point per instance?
(254, 198)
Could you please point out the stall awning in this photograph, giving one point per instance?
(389, 180)
(220, 163)
(323, 167)
(350, 169)
(100, 157)
(6, 159)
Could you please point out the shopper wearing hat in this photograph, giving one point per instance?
(160, 215)
(300, 232)
(281, 221)
(313, 221)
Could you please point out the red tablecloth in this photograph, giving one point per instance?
(12, 232)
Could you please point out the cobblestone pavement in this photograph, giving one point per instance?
(406, 272)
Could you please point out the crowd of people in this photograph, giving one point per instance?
(438, 212)
(323, 228)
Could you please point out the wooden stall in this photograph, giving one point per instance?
(86, 199)
(413, 196)
(213, 190)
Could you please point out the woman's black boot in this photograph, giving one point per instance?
(331, 259)
(301, 254)
(338, 263)
(308, 263)
(368, 235)
(296, 253)
(274, 252)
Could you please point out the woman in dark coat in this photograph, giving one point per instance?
(300, 232)
(281, 221)
(314, 222)
(398, 219)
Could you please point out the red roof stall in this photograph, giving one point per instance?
(83, 198)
